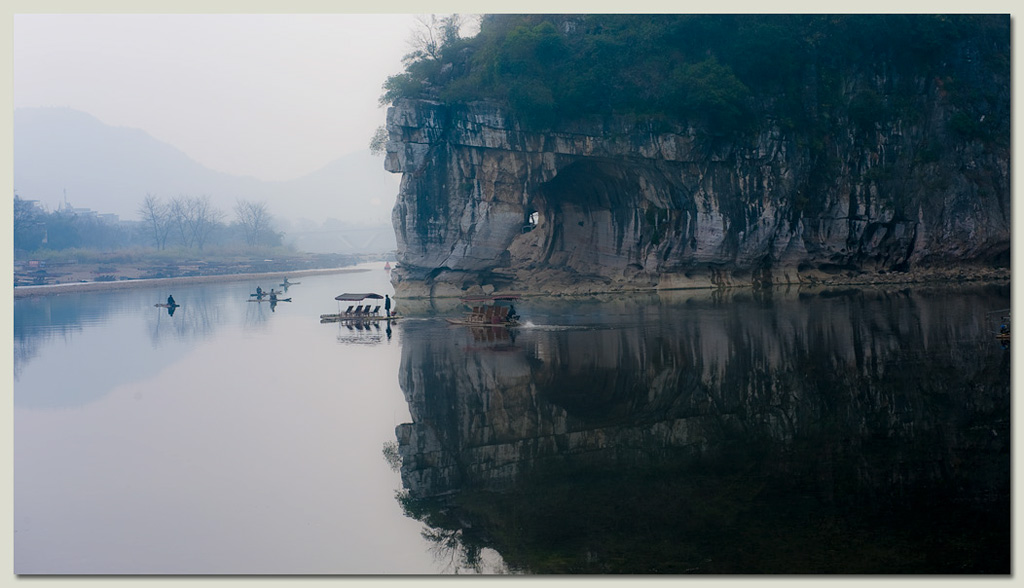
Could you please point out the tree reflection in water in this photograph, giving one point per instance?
(197, 318)
(837, 432)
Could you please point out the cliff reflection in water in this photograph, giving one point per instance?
(850, 432)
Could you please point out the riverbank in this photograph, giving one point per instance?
(559, 282)
(89, 286)
(919, 277)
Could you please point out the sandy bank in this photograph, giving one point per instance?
(25, 291)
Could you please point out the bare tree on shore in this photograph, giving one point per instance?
(194, 218)
(28, 223)
(204, 220)
(255, 220)
(157, 217)
(179, 213)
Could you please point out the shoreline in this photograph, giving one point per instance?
(917, 278)
(556, 286)
(76, 287)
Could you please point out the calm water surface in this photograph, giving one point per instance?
(856, 431)
(226, 438)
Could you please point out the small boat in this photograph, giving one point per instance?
(1004, 330)
(362, 312)
(269, 299)
(1003, 334)
(165, 305)
(489, 311)
(261, 295)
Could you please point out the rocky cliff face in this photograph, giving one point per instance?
(609, 204)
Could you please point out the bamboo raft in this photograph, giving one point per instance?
(486, 316)
(359, 314)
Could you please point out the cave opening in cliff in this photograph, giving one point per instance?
(530, 220)
(590, 185)
(597, 213)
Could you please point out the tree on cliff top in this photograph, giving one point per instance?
(716, 71)
(433, 33)
(430, 41)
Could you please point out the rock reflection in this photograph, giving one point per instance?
(839, 432)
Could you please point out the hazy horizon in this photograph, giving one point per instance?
(273, 96)
(68, 156)
(284, 102)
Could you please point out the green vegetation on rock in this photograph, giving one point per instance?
(724, 73)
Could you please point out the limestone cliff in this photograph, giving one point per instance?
(616, 202)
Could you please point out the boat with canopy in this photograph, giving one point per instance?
(364, 311)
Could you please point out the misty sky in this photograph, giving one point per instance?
(273, 96)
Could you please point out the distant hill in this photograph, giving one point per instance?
(62, 152)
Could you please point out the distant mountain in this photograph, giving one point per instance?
(60, 152)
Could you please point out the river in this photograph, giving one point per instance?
(777, 431)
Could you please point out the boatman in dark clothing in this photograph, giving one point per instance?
(259, 292)
(273, 295)
(387, 305)
(170, 301)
